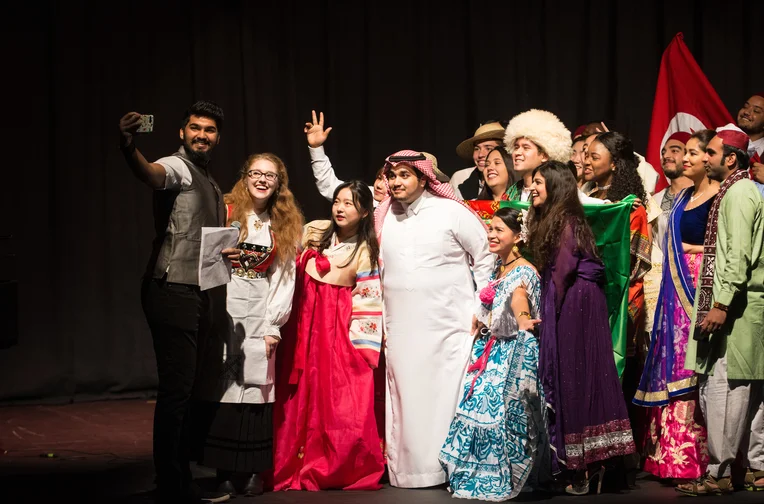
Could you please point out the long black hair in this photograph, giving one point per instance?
(626, 179)
(561, 209)
(485, 193)
(363, 202)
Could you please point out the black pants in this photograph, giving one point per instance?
(179, 317)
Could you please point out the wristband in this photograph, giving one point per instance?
(720, 306)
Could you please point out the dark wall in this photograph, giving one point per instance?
(389, 75)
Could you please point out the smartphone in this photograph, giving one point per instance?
(147, 124)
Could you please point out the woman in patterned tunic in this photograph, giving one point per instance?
(494, 438)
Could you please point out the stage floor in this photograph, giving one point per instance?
(101, 452)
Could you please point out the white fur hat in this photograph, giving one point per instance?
(542, 128)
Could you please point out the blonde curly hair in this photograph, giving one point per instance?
(286, 217)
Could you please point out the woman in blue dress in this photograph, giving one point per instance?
(499, 426)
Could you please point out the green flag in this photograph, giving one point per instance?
(610, 224)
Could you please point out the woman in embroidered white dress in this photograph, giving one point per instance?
(499, 427)
(326, 433)
(238, 441)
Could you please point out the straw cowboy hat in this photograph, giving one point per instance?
(488, 131)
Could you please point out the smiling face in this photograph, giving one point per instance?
(538, 190)
(601, 163)
(404, 183)
(200, 135)
(496, 174)
(345, 213)
(750, 118)
(671, 159)
(578, 159)
(526, 155)
(480, 150)
(501, 239)
(586, 159)
(692, 162)
(262, 181)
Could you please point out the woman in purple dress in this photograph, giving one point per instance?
(588, 421)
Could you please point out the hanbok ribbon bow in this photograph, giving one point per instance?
(322, 264)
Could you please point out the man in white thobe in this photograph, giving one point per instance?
(434, 253)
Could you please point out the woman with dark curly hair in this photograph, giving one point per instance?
(613, 164)
(588, 421)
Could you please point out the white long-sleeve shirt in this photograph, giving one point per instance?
(326, 180)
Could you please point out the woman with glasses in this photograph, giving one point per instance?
(240, 382)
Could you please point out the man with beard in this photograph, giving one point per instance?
(432, 246)
(186, 198)
(658, 211)
(727, 348)
(750, 119)
(672, 163)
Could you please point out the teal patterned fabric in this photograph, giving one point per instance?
(493, 440)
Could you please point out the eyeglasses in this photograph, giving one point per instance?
(257, 175)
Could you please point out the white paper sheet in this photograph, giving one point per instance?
(214, 269)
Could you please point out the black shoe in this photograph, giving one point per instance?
(227, 487)
(254, 486)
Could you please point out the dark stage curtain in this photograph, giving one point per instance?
(389, 75)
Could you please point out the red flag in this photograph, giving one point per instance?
(684, 101)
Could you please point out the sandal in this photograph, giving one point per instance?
(706, 485)
(698, 487)
(750, 480)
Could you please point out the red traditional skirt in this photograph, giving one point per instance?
(325, 429)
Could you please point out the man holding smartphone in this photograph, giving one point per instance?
(186, 198)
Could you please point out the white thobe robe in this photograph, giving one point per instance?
(429, 295)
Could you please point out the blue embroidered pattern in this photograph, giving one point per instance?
(492, 443)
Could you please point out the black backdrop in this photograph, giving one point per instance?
(389, 75)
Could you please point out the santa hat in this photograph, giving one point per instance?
(542, 128)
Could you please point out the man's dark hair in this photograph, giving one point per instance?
(742, 156)
(208, 109)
